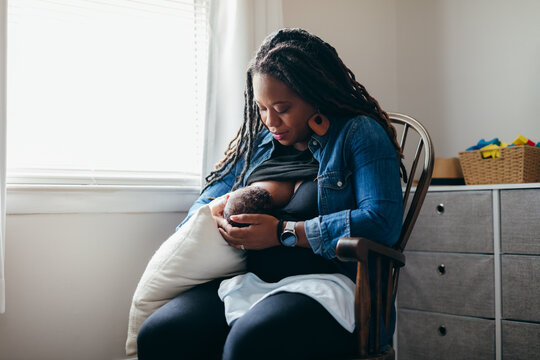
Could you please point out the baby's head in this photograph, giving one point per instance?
(247, 200)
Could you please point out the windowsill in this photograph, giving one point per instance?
(65, 199)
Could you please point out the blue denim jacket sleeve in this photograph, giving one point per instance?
(215, 190)
(374, 191)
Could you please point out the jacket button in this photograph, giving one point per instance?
(314, 143)
(339, 183)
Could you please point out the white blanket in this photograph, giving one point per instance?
(333, 291)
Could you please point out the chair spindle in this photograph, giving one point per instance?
(404, 136)
(411, 174)
(378, 306)
(389, 294)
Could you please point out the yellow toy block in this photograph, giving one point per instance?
(520, 140)
(490, 151)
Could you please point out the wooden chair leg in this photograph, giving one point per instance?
(363, 304)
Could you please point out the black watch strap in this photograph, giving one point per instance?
(279, 230)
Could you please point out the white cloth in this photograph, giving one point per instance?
(333, 291)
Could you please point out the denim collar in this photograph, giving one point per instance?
(336, 123)
(266, 138)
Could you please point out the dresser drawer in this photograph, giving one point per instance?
(520, 340)
(521, 287)
(520, 221)
(455, 221)
(423, 335)
(461, 284)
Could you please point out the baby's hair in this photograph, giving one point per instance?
(247, 200)
(313, 69)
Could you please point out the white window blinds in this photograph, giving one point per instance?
(106, 91)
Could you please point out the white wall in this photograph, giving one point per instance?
(470, 69)
(467, 69)
(363, 33)
(70, 279)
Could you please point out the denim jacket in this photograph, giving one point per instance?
(359, 188)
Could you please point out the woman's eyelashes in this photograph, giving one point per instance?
(277, 110)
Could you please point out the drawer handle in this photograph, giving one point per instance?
(442, 330)
(440, 209)
(441, 269)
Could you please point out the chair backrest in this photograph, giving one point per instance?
(424, 153)
(407, 129)
(409, 132)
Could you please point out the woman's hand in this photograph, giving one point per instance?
(260, 234)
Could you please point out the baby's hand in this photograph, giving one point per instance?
(218, 204)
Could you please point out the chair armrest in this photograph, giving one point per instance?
(357, 249)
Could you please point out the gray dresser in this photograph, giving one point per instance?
(471, 285)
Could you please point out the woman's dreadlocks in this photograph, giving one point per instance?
(313, 69)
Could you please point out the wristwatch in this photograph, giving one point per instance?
(288, 235)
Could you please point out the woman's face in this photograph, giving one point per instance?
(282, 111)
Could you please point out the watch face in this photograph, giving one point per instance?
(288, 239)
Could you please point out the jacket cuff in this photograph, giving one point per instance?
(314, 236)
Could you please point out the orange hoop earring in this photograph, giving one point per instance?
(319, 124)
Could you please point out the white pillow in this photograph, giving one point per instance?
(195, 254)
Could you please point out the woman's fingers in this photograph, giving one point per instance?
(260, 234)
(221, 222)
(229, 232)
(234, 242)
(239, 237)
(252, 219)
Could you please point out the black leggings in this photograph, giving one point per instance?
(282, 326)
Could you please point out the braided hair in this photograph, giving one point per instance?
(312, 68)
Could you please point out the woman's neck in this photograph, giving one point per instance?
(301, 146)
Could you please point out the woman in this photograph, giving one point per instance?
(304, 107)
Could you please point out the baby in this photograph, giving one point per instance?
(260, 197)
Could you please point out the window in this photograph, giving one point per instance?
(106, 91)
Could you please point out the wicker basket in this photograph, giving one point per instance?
(516, 164)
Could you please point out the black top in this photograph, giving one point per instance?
(302, 205)
(276, 263)
(286, 164)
